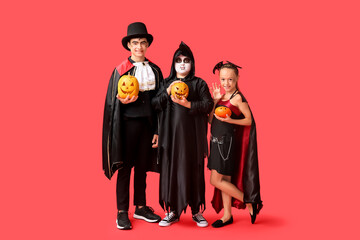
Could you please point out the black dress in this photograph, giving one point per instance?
(223, 141)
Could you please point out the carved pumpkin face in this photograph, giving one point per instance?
(180, 90)
(223, 111)
(128, 86)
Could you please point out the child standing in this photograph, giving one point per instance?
(182, 140)
(233, 150)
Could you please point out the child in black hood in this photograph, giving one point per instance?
(182, 140)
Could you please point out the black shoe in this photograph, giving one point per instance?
(146, 213)
(122, 221)
(169, 219)
(219, 223)
(255, 212)
(200, 220)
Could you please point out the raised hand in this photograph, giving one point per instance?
(216, 92)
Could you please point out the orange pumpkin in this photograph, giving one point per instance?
(222, 111)
(128, 86)
(180, 90)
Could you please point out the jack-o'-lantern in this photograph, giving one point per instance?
(128, 86)
(222, 111)
(180, 90)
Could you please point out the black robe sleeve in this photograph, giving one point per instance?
(159, 102)
(155, 103)
(205, 104)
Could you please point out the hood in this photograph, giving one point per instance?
(185, 51)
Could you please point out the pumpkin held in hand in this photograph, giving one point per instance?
(128, 86)
(180, 90)
(222, 111)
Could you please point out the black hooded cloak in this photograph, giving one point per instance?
(183, 142)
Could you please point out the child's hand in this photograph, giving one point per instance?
(127, 100)
(183, 101)
(227, 119)
(216, 92)
(155, 141)
(169, 88)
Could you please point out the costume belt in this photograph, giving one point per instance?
(220, 141)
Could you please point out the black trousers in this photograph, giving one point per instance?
(137, 137)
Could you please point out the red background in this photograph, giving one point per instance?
(300, 75)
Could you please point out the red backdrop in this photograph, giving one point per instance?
(300, 75)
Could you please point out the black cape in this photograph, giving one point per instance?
(111, 139)
(182, 142)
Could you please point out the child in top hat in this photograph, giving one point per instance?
(130, 127)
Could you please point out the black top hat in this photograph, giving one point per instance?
(136, 30)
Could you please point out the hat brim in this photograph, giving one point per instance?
(126, 39)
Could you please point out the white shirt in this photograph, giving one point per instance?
(145, 76)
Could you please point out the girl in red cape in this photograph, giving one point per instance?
(233, 157)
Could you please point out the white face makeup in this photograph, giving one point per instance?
(182, 65)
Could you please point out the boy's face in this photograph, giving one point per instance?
(183, 65)
(138, 46)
